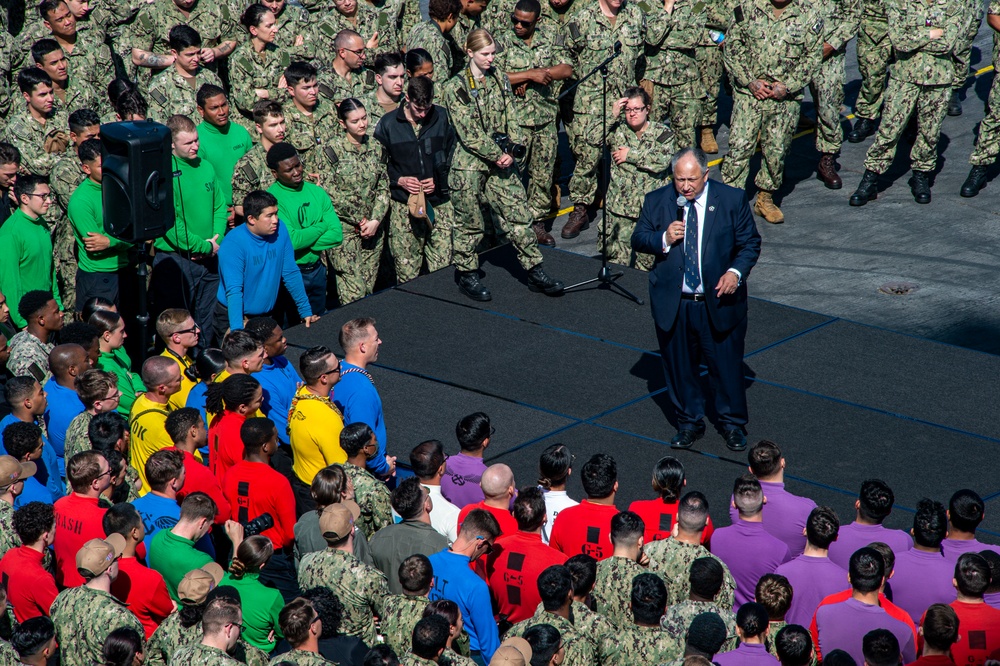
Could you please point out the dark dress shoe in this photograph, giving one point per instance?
(736, 440)
(685, 439)
(539, 280)
(863, 128)
(975, 182)
(469, 284)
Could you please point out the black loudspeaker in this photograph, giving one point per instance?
(138, 194)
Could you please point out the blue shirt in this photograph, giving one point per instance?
(33, 492)
(279, 381)
(358, 399)
(252, 267)
(63, 406)
(162, 513)
(455, 580)
(48, 471)
(196, 399)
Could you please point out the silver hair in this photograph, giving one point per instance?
(699, 156)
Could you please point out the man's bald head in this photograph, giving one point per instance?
(496, 481)
(68, 360)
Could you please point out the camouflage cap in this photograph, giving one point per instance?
(196, 584)
(97, 555)
(12, 471)
(512, 652)
(336, 522)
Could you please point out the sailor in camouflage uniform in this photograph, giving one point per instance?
(12, 474)
(72, 90)
(988, 142)
(372, 495)
(310, 120)
(174, 91)
(433, 35)
(347, 77)
(37, 127)
(375, 26)
(644, 640)
(874, 54)
(149, 34)
(251, 171)
(706, 577)
(256, 66)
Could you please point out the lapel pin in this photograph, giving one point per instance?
(711, 209)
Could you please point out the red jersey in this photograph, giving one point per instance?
(979, 633)
(892, 609)
(584, 528)
(30, 588)
(254, 488)
(933, 660)
(659, 518)
(507, 523)
(144, 592)
(78, 520)
(225, 446)
(199, 479)
(513, 574)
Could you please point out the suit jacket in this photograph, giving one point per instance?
(730, 240)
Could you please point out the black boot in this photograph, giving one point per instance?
(539, 280)
(863, 128)
(920, 186)
(867, 190)
(975, 182)
(954, 105)
(469, 284)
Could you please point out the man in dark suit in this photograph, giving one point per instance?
(705, 242)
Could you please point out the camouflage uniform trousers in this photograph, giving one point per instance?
(827, 89)
(584, 133)
(774, 122)
(505, 195)
(710, 70)
(354, 263)
(65, 262)
(619, 236)
(683, 106)
(903, 99)
(542, 143)
(963, 46)
(874, 53)
(988, 144)
(412, 241)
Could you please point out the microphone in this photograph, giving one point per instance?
(681, 204)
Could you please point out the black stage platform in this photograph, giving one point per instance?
(844, 400)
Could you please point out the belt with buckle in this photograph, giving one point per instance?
(697, 298)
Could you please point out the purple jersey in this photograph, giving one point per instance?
(922, 578)
(856, 536)
(460, 483)
(955, 548)
(813, 579)
(842, 626)
(785, 515)
(749, 552)
(747, 654)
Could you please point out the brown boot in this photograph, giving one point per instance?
(826, 170)
(577, 222)
(764, 206)
(708, 143)
(543, 236)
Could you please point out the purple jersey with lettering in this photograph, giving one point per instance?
(460, 483)
(813, 579)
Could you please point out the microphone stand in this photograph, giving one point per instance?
(606, 277)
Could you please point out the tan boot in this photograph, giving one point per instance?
(708, 143)
(764, 206)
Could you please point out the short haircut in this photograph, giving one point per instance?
(30, 78)
(238, 345)
(386, 60)
(545, 641)
(649, 598)
(89, 151)
(430, 635)
(328, 607)
(706, 577)
(162, 467)
(255, 203)
(198, 506)
(880, 647)
(408, 498)
(343, 38)
(554, 585)
(692, 512)
(82, 469)
(297, 72)
(354, 437)
(554, 466)
(426, 459)
(261, 328)
(445, 608)
(416, 574)
(42, 48)
(266, 108)
(472, 430)
(295, 620)
(440, 10)
(774, 592)
(79, 332)
(972, 575)
(765, 458)
(354, 331)
(479, 523)
(170, 321)
(993, 559)
(106, 430)
(219, 612)
(31, 636)
(635, 91)
(9, 154)
(179, 423)
(35, 300)
(182, 37)
(966, 510)
(81, 119)
(313, 363)
(794, 646)
(529, 6)
(822, 527)
(875, 501)
(420, 91)
(888, 557)
(121, 519)
(255, 433)
(280, 152)
(668, 478)
(32, 520)
(626, 527)
(838, 658)
(21, 438)
(599, 476)
(156, 370)
(178, 123)
(748, 495)
(866, 570)
(529, 509)
(19, 389)
(752, 619)
(940, 626)
(930, 524)
(583, 568)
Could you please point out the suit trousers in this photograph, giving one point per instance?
(691, 341)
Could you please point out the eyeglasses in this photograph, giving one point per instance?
(108, 473)
(238, 625)
(315, 620)
(47, 195)
(634, 110)
(358, 52)
(193, 329)
(517, 21)
(335, 371)
(116, 396)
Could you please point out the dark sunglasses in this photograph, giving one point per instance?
(517, 21)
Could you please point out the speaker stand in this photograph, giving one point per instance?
(142, 272)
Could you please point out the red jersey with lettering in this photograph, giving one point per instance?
(584, 528)
(507, 523)
(979, 633)
(254, 488)
(78, 520)
(513, 578)
(659, 518)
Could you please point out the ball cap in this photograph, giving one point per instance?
(97, 555)
(512, 652)
(12, 471)
(196, 584)
(337, 521)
